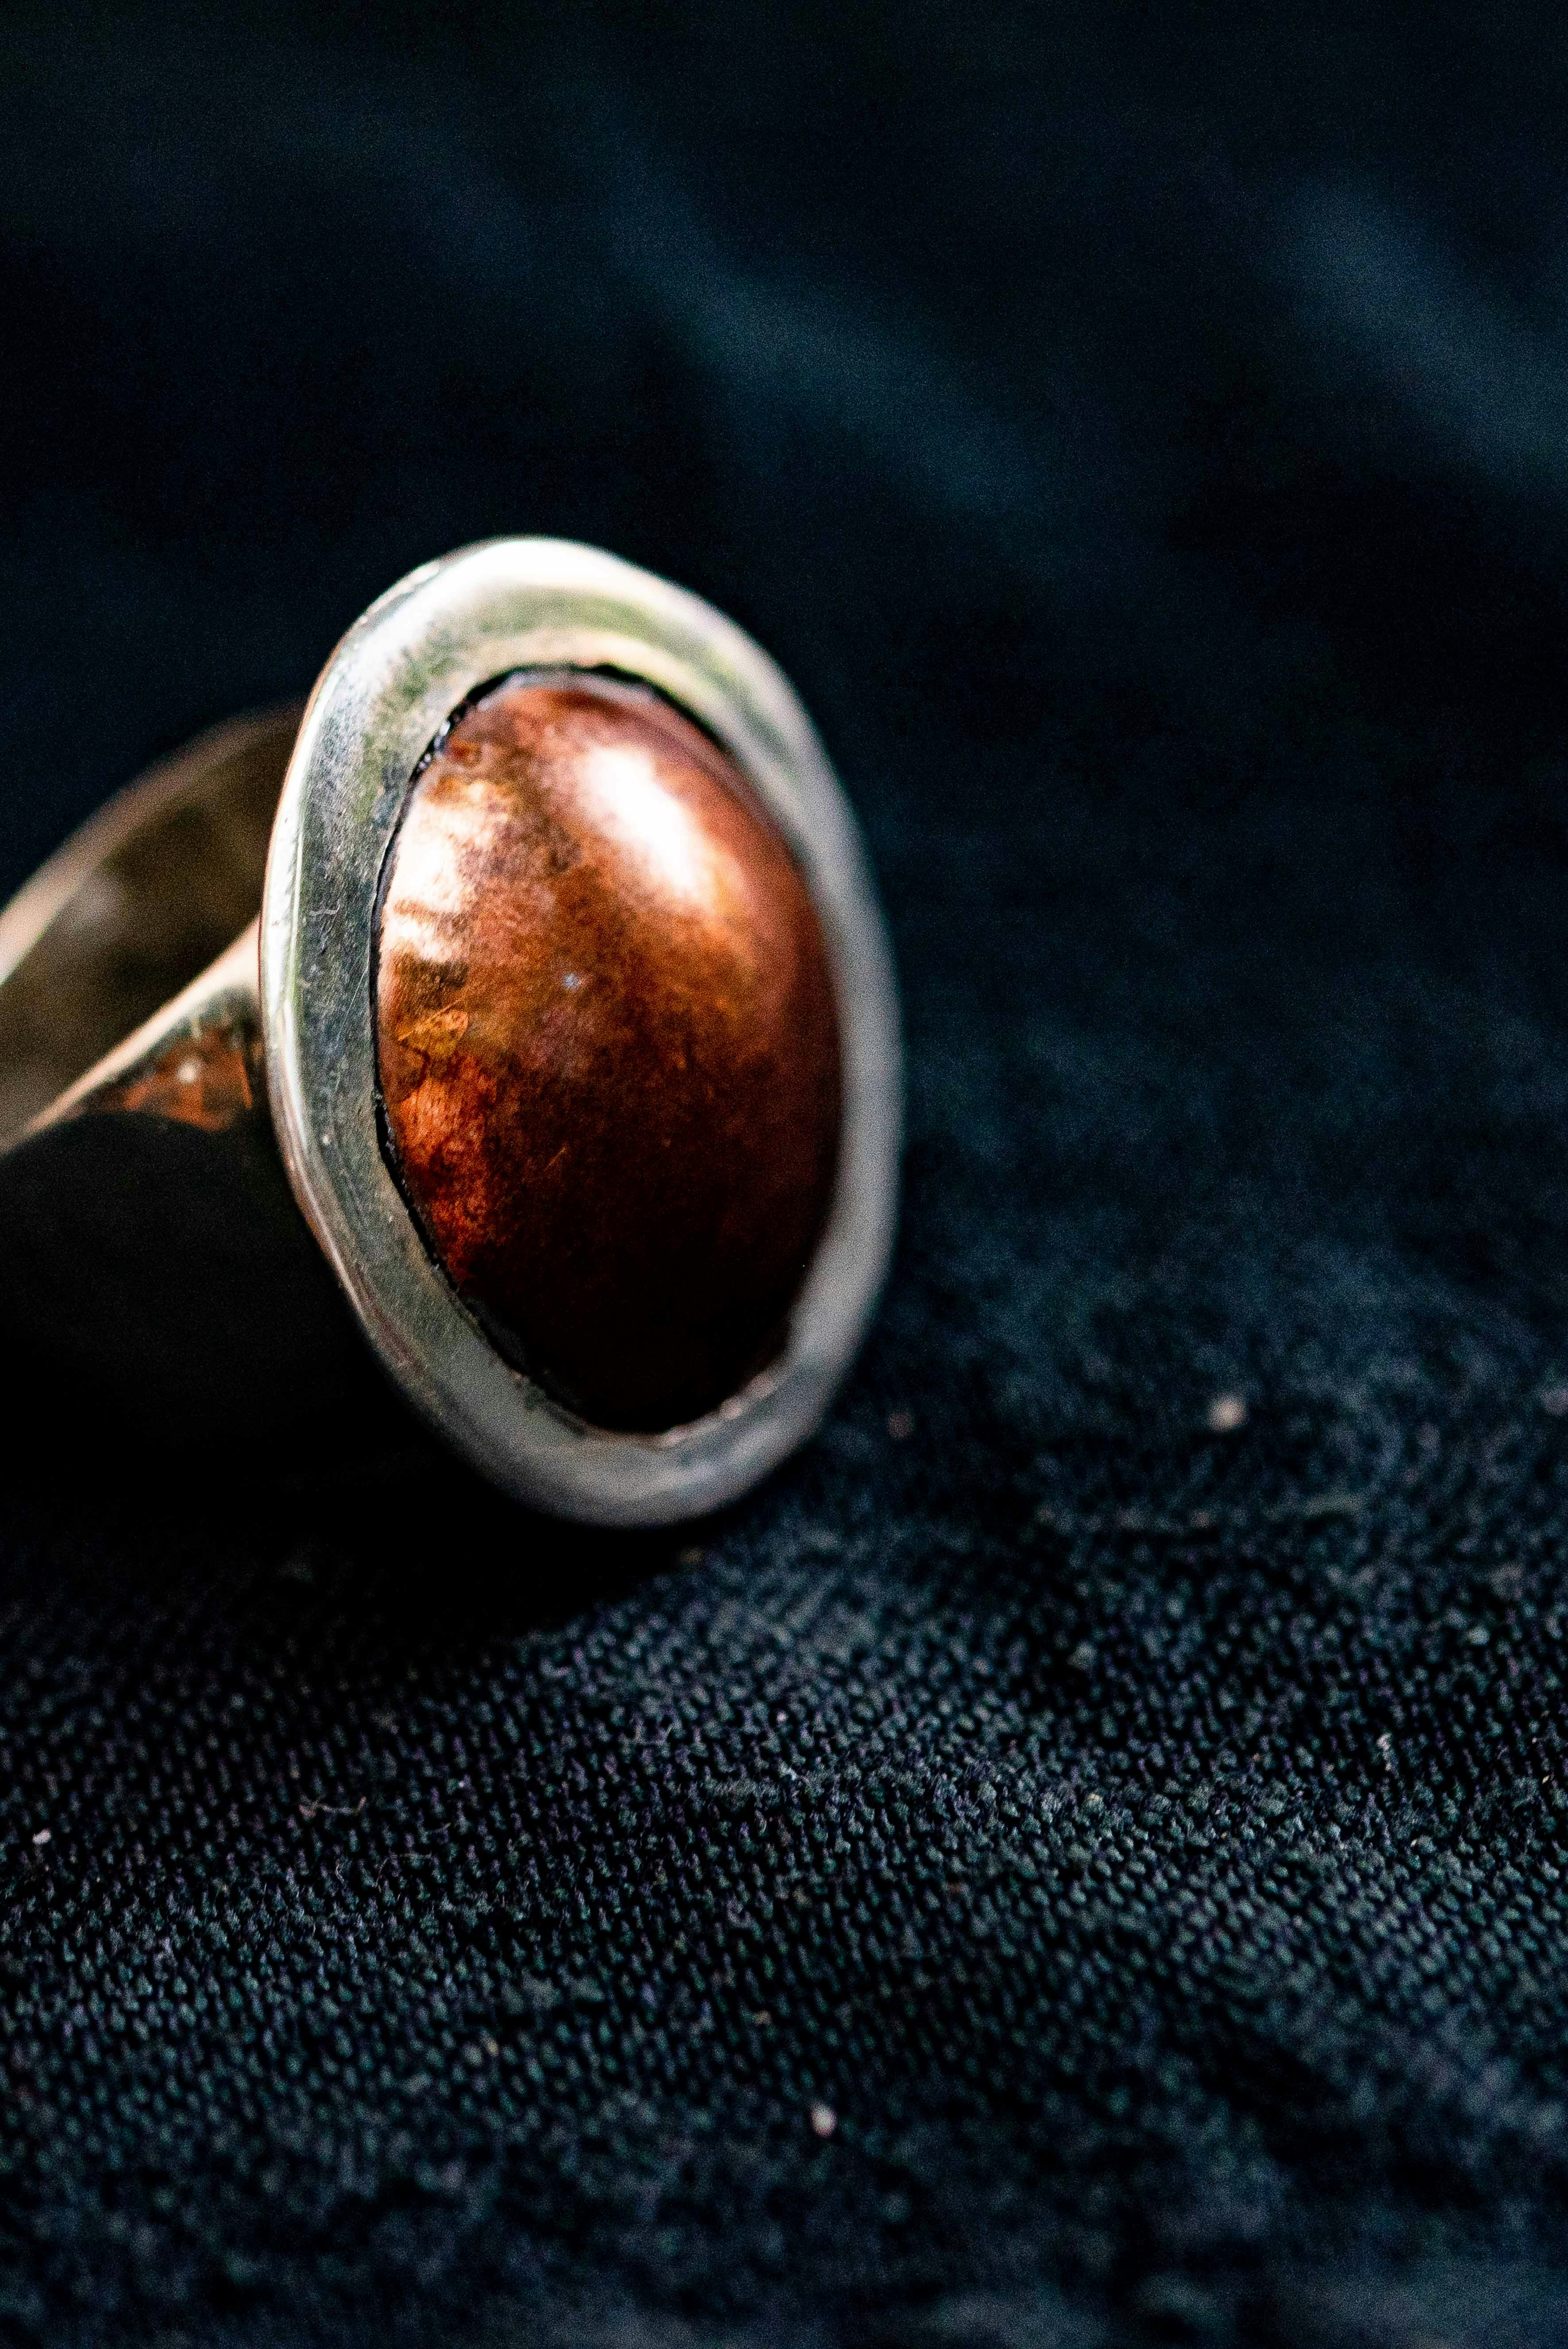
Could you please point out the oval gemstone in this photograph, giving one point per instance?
(608, 1046)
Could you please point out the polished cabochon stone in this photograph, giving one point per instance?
(608, 1046)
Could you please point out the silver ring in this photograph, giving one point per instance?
(150, 1236)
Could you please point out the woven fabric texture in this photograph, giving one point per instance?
(1080, 1857)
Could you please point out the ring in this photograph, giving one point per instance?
(524, 1008)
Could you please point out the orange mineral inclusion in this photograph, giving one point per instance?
(608, 1046)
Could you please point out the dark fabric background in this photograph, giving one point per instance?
(1144, 436)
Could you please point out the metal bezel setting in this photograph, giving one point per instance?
(390, 686)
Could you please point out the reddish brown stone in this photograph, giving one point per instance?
(608, 1046)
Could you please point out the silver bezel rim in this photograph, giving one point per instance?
(446, 629)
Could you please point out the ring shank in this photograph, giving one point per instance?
(150, 1245)
(133, 907)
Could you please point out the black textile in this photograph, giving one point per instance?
(1080, 1857)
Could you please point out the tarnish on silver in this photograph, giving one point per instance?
(393, 682)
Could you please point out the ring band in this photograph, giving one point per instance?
(152, 1182)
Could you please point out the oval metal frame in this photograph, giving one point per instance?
(388, 688)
